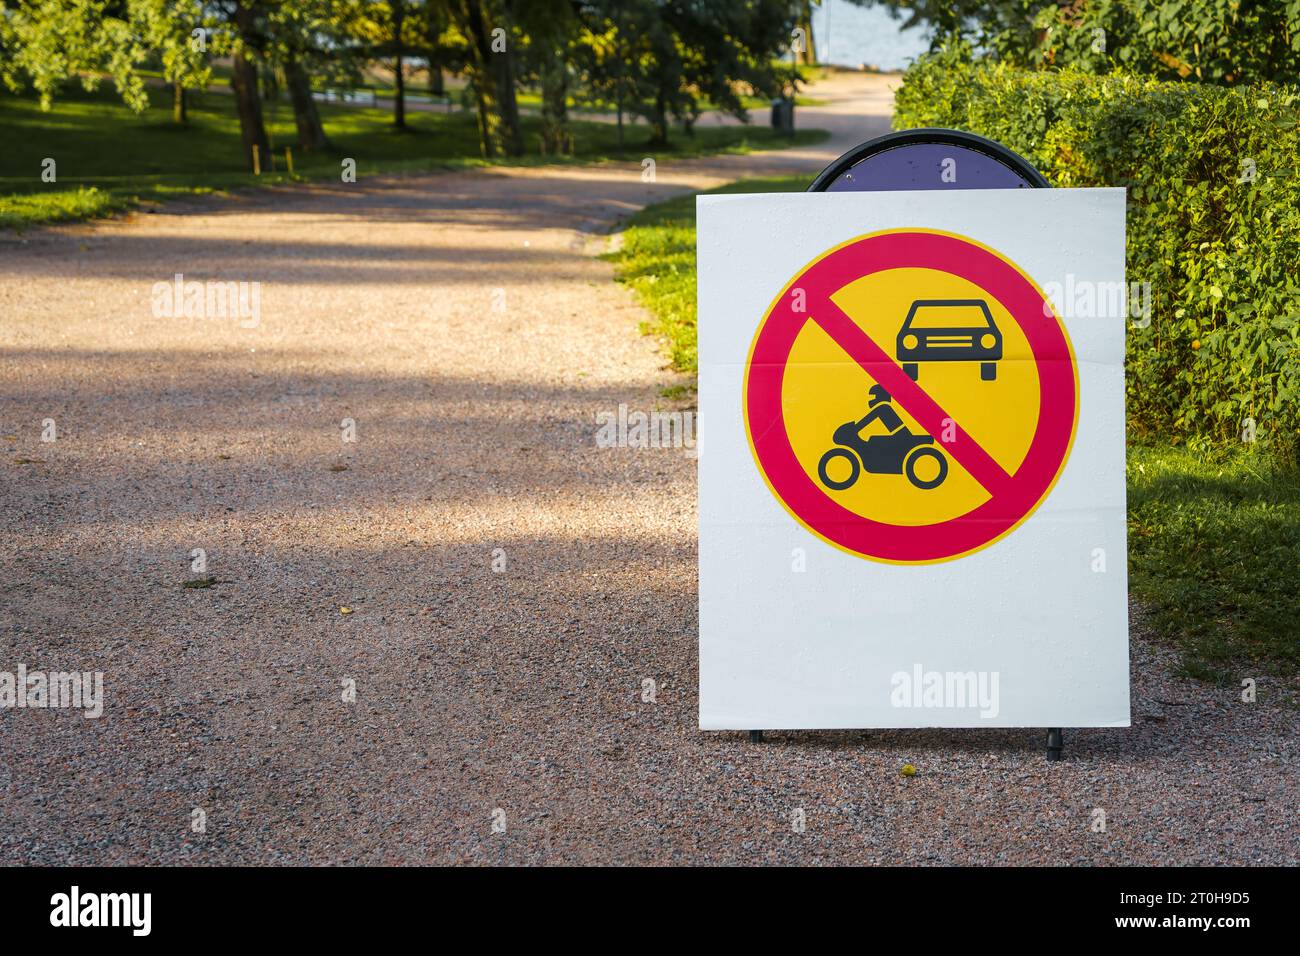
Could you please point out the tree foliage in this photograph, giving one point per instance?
(1218, 41)
(46, 43)
(660, 60)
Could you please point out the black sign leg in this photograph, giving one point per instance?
(756, 736)
(1055, 743)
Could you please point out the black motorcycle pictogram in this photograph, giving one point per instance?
(896, 453)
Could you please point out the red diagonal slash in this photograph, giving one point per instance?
(915, 401)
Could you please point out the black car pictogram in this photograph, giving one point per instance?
(950, 330)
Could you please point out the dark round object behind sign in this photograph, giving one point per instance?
(928, 159)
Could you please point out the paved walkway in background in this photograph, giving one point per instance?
(464, 324)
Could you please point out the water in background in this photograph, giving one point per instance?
(848, 35)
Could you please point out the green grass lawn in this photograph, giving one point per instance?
(657, 260)
(1214, 548)
(109, 158)
(1214, 536)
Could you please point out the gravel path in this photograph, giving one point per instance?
(462, 321)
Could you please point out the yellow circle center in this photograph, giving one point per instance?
(823, 389)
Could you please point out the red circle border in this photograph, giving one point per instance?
(1048, 450)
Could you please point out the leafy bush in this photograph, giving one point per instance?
(1212, 41)
(1208, 41)
(1213, 223)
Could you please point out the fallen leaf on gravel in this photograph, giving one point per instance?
(345, 610)
(199, 583)
(224, 457)
(338, 467)
(29, 461)
(908, 770)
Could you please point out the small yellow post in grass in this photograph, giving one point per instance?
(257, 161)
(288, 159)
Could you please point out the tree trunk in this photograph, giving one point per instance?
(252, 132)
(492, 76)
(659, 123)
(311, 134)
(399, 93)
(485, 104)
(178, 102)
(436, 85)
(622, 65)
(399, 77)
(512, 139)
(555, 110)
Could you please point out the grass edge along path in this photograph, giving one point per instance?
(110, 159)
(1214, 533)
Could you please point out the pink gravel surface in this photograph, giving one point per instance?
(465, 325)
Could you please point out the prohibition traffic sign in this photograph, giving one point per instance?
(911, 396)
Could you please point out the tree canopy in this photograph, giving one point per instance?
(659, 60)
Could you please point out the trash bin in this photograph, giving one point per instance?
(783, 114)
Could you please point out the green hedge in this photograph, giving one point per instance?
(1222, 256)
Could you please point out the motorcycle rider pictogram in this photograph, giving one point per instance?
(899, 451)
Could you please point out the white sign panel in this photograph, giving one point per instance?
(912, 508)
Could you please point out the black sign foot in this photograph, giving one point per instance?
(1055, 743)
